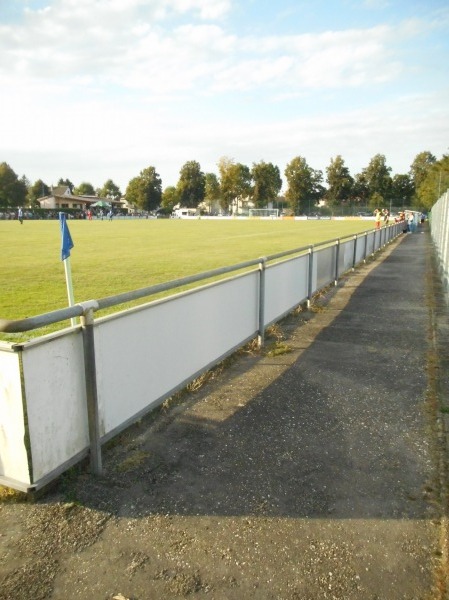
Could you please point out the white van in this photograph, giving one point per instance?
(184, 213)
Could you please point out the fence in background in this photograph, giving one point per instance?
(64, 394)
(439, 227)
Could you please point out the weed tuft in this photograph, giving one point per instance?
(9, 495)
(279, 349)
(133, 461)
(274, 332)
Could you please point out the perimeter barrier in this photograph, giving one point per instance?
(439, 229)
(64, 394)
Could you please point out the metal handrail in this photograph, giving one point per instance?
(78, 310)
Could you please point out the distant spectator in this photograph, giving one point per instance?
(377, 218)
(20, 215)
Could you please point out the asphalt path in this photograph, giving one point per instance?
(316, 472)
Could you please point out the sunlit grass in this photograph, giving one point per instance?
(123, 255)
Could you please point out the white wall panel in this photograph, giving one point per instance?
(56, 401)
(285, 286)
(370, 243)
(13, 454)
(325, 260)
(360, 249)
(150, 351)
(346, 257)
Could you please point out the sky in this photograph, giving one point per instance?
(93, 90)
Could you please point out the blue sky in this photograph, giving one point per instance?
(100, 89)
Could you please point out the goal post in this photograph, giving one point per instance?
(267, 213)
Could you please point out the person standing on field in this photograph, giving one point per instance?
(20, 215)
(377, 218)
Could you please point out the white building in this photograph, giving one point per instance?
(61, 197)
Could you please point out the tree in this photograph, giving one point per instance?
(304, 185)
(267, 183)
(420, 167)
(38, 190)
(169, 198)
(378, 180)
(84, 189)
(360, 190)
(317, 191)
(235, 183)
(339, 181)
(212, 191)
(375, 201)
(191, 185)
(402, 190)
(13, 190)
(110, 190)
(145, 191)
(434, 184)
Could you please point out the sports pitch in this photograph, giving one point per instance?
(111, 257)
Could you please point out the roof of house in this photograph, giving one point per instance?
(61, 190)
(85, 200)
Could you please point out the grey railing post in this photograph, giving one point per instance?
(262, 267)
(366, 247)
(354, 255)
(337, 258)
(87, 323)
(310, 278)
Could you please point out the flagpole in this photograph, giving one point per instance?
(66, 246)
(68, 280)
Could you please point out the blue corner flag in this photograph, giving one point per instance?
(66, 239)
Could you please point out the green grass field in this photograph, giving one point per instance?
(123, 255)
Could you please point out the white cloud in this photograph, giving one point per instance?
(110, 86)
(123, 47)
(208, 9)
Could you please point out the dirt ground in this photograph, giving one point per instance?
(238, 491)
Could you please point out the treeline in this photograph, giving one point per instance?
(236, 184)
